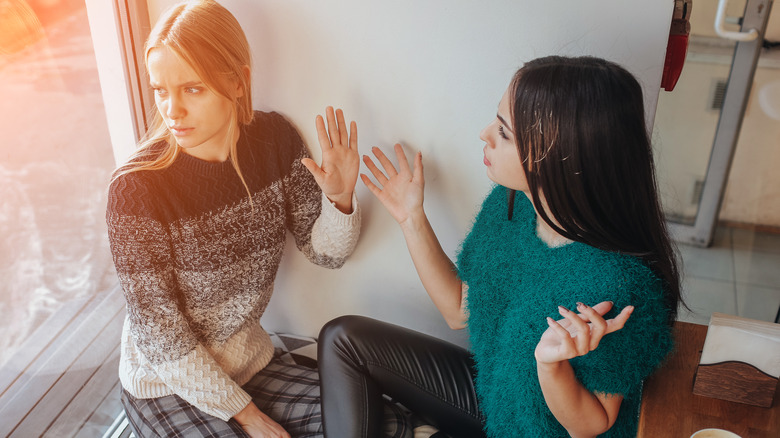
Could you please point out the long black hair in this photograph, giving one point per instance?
(580, 130)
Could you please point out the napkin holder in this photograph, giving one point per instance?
(740, 361)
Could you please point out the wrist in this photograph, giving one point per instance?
(550, 367)
(342, 201)
(414, 222)
(244, 415)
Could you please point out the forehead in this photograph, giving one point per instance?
(504, 109)
(165, 67)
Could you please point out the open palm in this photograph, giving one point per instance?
(340, 166)
(401, 190)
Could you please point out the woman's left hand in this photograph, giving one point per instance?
(578, 334)
(340, 159)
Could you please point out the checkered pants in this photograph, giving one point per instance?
(288, 393)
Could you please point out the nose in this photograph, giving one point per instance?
(175, 109)
(484, 135)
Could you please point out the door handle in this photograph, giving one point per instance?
(720, 17)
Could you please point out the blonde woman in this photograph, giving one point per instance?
(197, 222)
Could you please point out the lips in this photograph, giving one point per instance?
(485, 160)
(179, 131)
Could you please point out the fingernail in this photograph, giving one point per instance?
(581, 306)
(562, 309)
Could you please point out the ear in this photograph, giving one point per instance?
(246, 71)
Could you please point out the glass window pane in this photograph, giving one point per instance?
(55, 162)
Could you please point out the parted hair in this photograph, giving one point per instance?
(210, 40)
(581, 135)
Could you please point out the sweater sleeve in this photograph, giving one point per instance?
(325, 235)
(624, 359)
(159, 334)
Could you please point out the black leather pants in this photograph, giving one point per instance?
(360, 359)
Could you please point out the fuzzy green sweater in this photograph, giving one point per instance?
(515, 281)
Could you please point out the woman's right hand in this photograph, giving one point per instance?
(401, 190)
(259, 425)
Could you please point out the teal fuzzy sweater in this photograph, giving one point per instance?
(515, 281)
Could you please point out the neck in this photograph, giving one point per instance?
(548, 235)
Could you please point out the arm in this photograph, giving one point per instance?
(581, 412)
(159, 335)
(402, 194)
(322, 211)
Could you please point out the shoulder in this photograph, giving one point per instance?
(272, 138)
(271, 126)
(131, 194)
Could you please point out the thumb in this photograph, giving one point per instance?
(313, 168)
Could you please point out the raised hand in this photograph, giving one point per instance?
(578, 334)
(401, 190)
(340, 159)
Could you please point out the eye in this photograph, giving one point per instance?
(159, 92)
(502, 133)
(193, 90)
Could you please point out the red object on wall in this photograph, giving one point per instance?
(675, 58)
(677, 47)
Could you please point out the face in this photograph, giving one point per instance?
(198, 118)
(501, 157)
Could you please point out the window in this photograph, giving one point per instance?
(61, 310)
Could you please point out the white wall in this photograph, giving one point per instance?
(427, 73)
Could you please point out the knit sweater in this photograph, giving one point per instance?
(515, 281)
(197, 261)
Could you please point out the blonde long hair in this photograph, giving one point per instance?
(209, 38)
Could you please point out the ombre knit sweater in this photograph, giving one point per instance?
(515, 281)
(197, 261)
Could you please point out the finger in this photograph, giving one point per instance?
(385, 162)
(619, 321)
(353, 138)
(373, 188)
(333, 129)
(342, 124)
(598, 327)
(315, 170)
(603, 307)
(418, 169)
(403, 163)
(322, 133)
(563, 335)
(580, 329)
(380, 177)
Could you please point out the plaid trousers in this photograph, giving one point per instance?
(288, 393)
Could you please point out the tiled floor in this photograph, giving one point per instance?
(738, 275)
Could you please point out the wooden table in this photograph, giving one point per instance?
(670, 409)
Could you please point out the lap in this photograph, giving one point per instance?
(287, 392)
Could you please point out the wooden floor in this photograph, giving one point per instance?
(63, 381)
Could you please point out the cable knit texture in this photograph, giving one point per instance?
(197, 261)
(516, 281)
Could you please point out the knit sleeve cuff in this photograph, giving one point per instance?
(233, 405)
(335, 216)
(335, 234)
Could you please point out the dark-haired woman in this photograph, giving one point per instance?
(546, 280)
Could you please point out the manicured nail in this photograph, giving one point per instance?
(581, 306)
(562, 310)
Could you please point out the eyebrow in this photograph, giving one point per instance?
(184, 85)
(503, 122)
